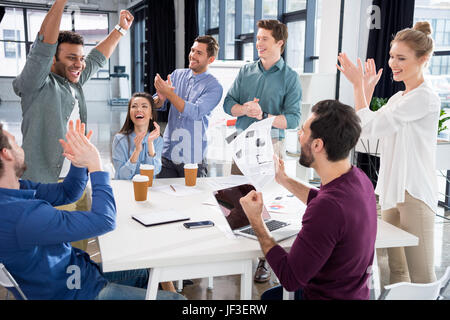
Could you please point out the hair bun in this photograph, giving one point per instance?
(423, 26)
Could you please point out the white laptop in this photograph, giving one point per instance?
(228, 200)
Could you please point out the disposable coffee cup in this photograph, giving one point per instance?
(147, 170)
(190, 174)
(140, 185)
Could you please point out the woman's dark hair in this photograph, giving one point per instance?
(338, 126)
(128, 126)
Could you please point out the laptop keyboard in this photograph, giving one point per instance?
(271, 225)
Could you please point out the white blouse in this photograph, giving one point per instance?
(407, 128)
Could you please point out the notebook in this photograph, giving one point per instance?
(228, 200)
(157, 218)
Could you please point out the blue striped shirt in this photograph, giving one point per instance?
(185, 135)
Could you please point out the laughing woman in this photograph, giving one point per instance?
(407, 128)
(139, 141)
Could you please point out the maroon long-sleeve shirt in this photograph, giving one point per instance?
(331, 256)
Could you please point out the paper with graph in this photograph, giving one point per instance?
(253, 153)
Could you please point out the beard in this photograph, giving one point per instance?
(306, 159)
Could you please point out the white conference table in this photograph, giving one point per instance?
(172, 252)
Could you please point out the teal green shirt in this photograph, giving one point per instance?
(47, 103)
(278, 90)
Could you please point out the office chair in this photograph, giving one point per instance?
(7, 280)
(417, 291)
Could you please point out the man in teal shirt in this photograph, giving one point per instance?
(267, 87)
(263, 89)
(50, 88)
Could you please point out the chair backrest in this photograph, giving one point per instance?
(7, 280)
(417, 291)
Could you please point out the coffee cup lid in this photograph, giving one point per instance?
(140, 178)
(191, 166)
(147, 167)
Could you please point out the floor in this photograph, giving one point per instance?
(105, 122)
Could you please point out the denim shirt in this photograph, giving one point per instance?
(122, 149)
(278, 90)
(47, 103)
(185, 135)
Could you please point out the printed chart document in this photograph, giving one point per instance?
(253, 153)
(284, 203)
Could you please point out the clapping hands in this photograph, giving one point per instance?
(79, 150)
(253, 109)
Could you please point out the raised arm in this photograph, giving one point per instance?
(371, 78)
(40, 59)
(354, 74)
(298, 189)
(109, 44)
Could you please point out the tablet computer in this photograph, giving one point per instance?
(149, 219)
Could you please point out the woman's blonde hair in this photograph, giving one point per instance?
(418, 39)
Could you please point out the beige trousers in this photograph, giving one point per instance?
(412, 264)
(279, 148)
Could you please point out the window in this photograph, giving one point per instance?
(295, 53)
(12, 43)
(230, 29)
(248, 9)
(270, 9)
(214, 14)
(438, 15)
(201, 17)
(15, 41)
(295, 5)
(94, 28)
(12, 48)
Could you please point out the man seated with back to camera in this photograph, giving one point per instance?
(35, 246)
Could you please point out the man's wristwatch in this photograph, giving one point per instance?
(265, 115)
(120, 29)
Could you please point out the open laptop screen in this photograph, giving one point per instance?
(228, 200)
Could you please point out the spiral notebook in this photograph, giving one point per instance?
(149, 219)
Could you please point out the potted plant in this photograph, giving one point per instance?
(377, 103)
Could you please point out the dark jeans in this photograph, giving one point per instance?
(276, 293)
(173, 170)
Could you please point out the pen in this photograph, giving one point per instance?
(173, 188)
